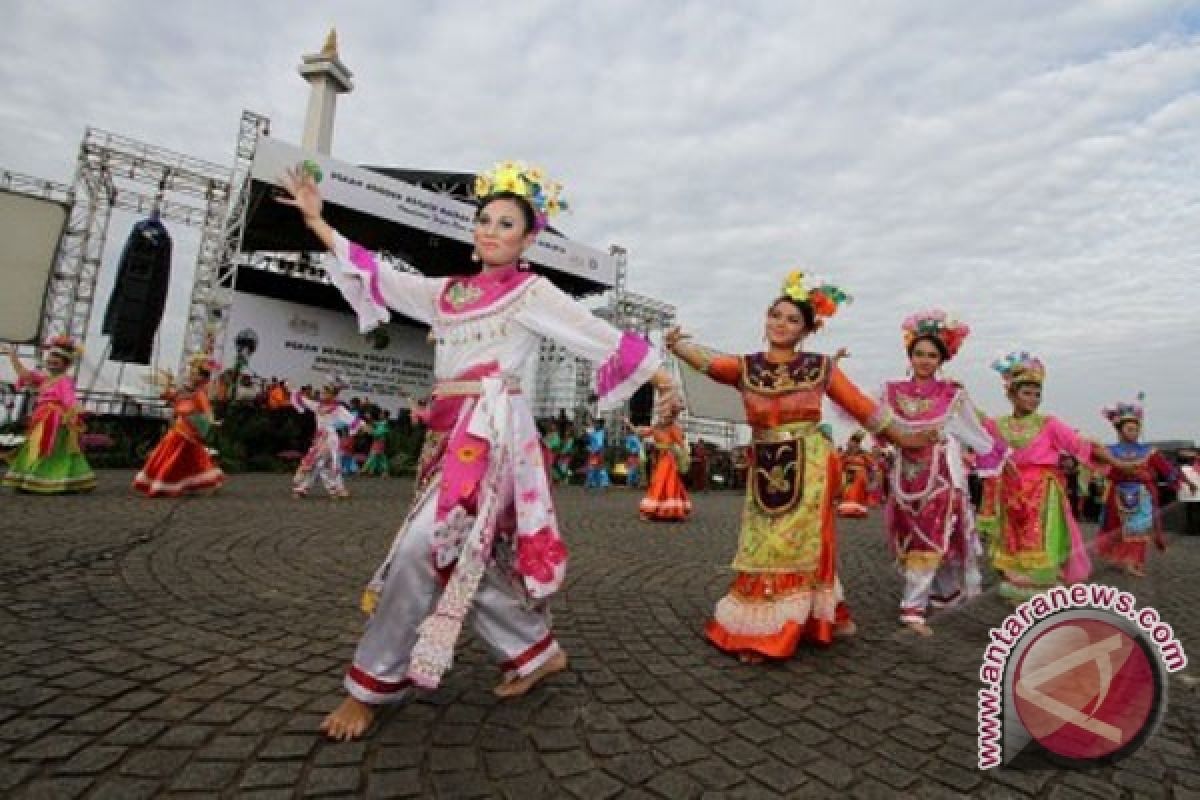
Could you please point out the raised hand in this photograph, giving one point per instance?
(302, 192)
(674, 336)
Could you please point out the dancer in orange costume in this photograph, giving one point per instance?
(180, 463)
(666, 499)
(855, 468)
(787, 587)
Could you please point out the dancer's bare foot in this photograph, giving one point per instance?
(919, 627)
(747, 657)
(350, 720)
(1136, 571)
(844, 629)
(519, 686)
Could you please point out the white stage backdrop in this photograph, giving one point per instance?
(303, 344)
(394, 200)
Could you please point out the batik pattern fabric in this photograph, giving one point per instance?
(1132, 512)
(666, 499)
(929, 521)
(180, 463)
(1034, 540)
(786, 588)
(482, 536)
(50, 461)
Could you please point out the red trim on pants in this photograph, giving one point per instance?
(533, 652)
(376, 685)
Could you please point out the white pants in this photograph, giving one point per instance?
(947, 584)
(516, 632)
(326, 466)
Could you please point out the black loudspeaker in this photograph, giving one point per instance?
(641, 406)
(139, 294)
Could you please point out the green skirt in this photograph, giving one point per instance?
(63, 470)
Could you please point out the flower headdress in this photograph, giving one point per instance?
(822, 296)
(526, 181)
(64, 347)
(938, 324)
(1020, 367)
(1124, 412)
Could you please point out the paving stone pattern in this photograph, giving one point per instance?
(190, 647)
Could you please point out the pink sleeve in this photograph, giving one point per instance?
(31, 377)
(1068, 441)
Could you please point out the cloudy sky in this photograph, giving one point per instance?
(1033, 166)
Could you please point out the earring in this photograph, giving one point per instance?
(475, 256)
(523, 265)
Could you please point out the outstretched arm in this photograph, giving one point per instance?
(695, 356)
(370, 282)
(17, 366)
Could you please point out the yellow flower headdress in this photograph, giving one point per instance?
(525, 181)
(821, 296)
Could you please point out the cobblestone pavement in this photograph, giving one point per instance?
(190, 647)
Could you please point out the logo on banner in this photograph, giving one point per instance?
(1079, 674)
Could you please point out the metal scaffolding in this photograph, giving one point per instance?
(220, 248)
(115, 171)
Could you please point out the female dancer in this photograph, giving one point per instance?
(377, 460)
(855, 468)
(787, 587)
(666, 499)
(180, 463)
(50, 461)
(1131, 507)
(323, 459)
(481, 536)
(1034, 538)
(930, 525)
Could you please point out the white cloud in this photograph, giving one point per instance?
(1031, 165)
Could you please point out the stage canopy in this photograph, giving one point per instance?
(385, 209)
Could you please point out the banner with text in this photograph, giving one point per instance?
(400, 202)
(305, 345)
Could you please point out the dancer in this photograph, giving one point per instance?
(180, 463)
(1034, 540)
(377, 458)
(348, 462)
(482, 535)
(930, 524)
(855, 469)
(563, 456)
(597, 470)
(666, 498)
(323, 459)
(50, 461)
(787, 587)
(1131, 507)
(634, 457)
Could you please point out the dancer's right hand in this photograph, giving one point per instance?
(673, 337)
(303, 194)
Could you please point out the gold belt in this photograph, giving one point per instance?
(471, 388)
(786, 433)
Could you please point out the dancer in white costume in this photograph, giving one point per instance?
(481, 536)
(323, 459)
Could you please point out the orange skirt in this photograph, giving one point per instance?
(179, 464)
(666, 499)
(854, 500)
(776, 613)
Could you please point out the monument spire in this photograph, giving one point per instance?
(328, 77)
